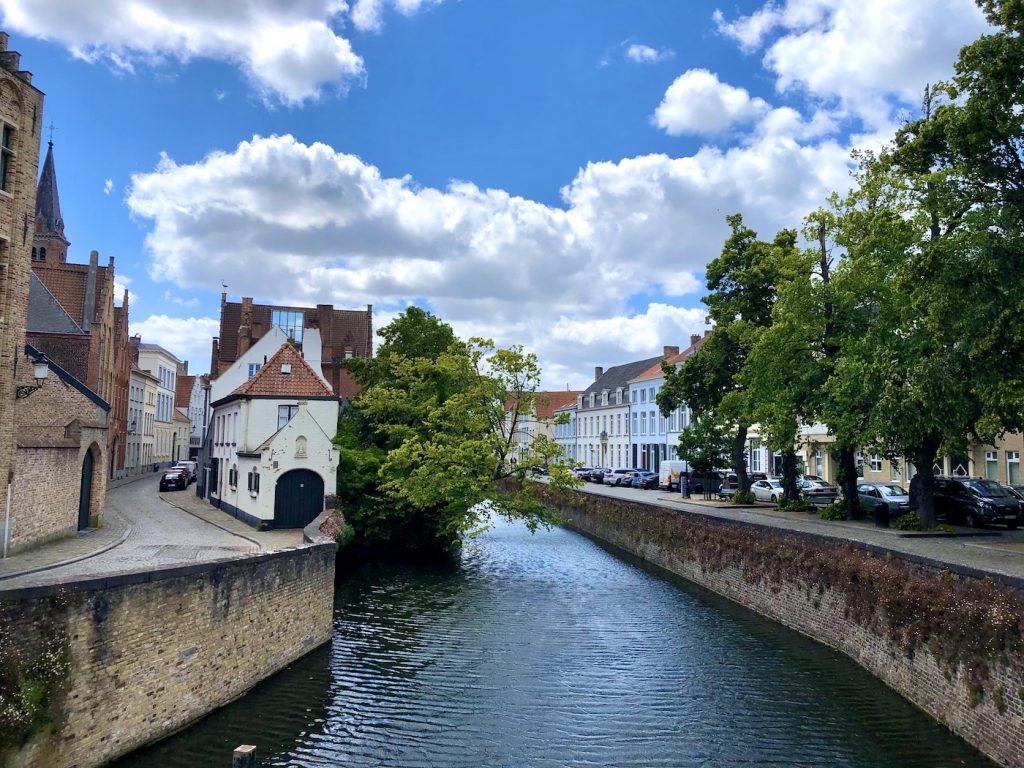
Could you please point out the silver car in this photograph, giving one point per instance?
(767, 490)
(891, 494)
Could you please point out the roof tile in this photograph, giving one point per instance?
(302, 381)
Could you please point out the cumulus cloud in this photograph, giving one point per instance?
(698, 102)
(367, 14)
(181, 301)
(121, 283)
(308, 224)
(108, 186)
(288, 48)
(644, 54)
(188, 338)
(859, 53)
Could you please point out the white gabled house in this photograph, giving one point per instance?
(272, 459)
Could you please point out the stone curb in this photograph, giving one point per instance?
(71, 560)
(258, 543)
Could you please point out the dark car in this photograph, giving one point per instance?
(976, 502)
(645, 480)
(817, 491)
(710, 482)
(175, 480)
(539, 469)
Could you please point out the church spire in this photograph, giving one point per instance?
(49, 234)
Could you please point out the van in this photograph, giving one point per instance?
(669, 475)
(190, 469)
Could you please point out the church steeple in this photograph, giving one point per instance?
(49, 242)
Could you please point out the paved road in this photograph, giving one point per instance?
(161, 535)
(998, 550)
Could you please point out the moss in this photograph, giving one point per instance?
(999, 699)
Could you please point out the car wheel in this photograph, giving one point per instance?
(775, 499)
(971, 521)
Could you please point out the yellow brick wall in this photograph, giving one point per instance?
(153, 652)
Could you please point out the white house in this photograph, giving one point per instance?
(272, 458)
(565, 432)
(164, 365)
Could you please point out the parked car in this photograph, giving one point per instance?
(893, 496)
(1016, 490)
(710, 482)
(817, 491)
(598, 475)
(976, 502)
(174, 480)
(583, 473)
(619, 477)
(189, 467)
(767, 490)
(645, 480)
(539, 469)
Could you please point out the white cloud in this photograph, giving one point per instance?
(288, 48)
(859, 53)
(181, 301)
(121, 283)
(698, 102)
(366, 14)
(306, 224)
(108, 186)
(188, 338)
(644, 54)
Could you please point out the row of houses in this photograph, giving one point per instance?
(615, 422)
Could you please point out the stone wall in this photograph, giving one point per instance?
(950, 642)
(151, 652)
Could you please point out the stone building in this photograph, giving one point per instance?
(97, 356)
(337, 333)
(21, 118)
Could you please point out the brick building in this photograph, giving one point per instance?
(21, 118)
(98, 353)
(339, 334)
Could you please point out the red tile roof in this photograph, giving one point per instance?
(549, 402)
(656, 372)
(303, 381)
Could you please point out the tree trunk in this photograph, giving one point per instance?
(739, 459)
(789, 490)
(924, 458)
(848, 482)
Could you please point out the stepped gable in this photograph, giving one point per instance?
(301, 381)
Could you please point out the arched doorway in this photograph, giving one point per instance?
(298, 498)
(85, 492)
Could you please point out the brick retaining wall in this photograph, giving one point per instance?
(152, 652)
(799, 589)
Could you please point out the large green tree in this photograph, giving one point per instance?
(427, 441)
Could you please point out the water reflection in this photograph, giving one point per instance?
(552, 651)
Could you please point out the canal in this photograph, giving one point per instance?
(550, 650)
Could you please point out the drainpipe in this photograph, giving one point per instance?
(7, 516)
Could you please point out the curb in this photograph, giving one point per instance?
(38, 569)
(258, 543)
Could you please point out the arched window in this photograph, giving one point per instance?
(42, 254)
(35, 254)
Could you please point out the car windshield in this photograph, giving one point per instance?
(775, 483)
(892, 490)
(988, 489)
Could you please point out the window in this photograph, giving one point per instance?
(643, 395)
(254, 368)
(285, 413)
(819, 463)
(876, 463)
(254, 481)
(632, 396)
(6, 158)
(233, 477)
(1013, 467)
(618, 396)
(992, 465)
(604, 397)
(591, 399)
(618, 422)
(635, 422)
(604, 424)
(755, 458)
(643, 423)
(289, 322)
(651, 391)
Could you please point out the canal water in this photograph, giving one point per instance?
(550, 650)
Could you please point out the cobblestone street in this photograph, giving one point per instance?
(144, 529)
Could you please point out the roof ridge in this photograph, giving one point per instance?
(267, 370)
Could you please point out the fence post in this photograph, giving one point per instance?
(244, 756)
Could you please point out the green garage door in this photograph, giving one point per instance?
(299, 498)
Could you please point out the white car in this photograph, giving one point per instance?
(767, 490)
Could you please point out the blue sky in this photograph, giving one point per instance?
(554, 174)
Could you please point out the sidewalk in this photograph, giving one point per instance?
(267, 541)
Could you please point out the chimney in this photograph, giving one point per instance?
(598, 372)
(694, 338)
(223, 299)
(707, 333)
(669, 351)
(245, 329)
(89, 308)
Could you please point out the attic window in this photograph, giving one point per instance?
(286, 367)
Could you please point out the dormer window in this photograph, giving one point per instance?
(579, 401)
(618, 396)
(604, 397)
(591, 399)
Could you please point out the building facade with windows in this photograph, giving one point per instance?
(326, 336)
(525, 425)
(272, 456)
(163, 365)
(565, 431)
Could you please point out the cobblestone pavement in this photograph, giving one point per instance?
(159, 534)
(996, 550)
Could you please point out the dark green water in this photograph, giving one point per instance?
(551, 651)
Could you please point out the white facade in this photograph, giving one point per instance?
(248, 364)
(196, 416)
(139, 444)
(565, 433)
(603, 429)
(164, 366)
(266, 438)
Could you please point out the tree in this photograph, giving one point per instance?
(742, 284)
(705, 446)
(426, 442)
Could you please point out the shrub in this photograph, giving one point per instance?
(743, 498)
(834, 511)
(908, 522)
(796, 505)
